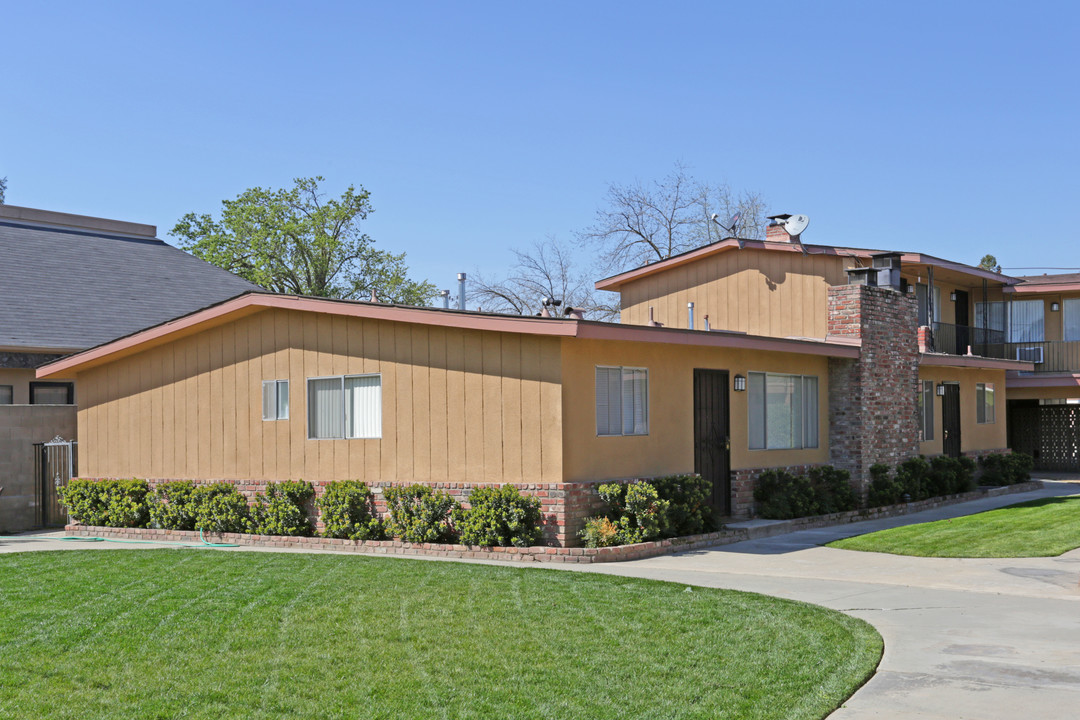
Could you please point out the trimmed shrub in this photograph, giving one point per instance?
(832, 489)
(1018, 467)
(688, 511)
(418, 514)
(172, 505)
(1006, 469)
(993, 470)
(284, 509)
(109, 503)
(600, 532)
(885, 489)
(499, 516)
(347, 511)
(221, 508)
(782, 496)
(639, 512)
(911, 475)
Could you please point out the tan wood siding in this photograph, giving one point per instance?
(458, 405)
(760, 292)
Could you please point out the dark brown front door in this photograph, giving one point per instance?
(950, 420)
(712, 442)
(963, 336)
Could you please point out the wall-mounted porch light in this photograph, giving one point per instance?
(740, 383)
(952, 296)
(941, 389)
(1054, 307)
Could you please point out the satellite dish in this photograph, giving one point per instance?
(796, 224)
(731, 226)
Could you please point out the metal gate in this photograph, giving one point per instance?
(55, 463)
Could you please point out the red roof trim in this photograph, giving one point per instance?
(973, 361)
(256, 302)
(615, 281)
(1043, 288)
(1042, 381)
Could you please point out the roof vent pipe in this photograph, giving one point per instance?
(707, 328)
(461, 291)
(445, 295)
(690, 314)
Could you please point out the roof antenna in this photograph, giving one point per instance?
(731, 227)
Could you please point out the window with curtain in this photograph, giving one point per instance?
(984, 403)
(622, 401)
(1026, 321)
(922, 298)
(275, 399)
(925, 403)
(346, 406)
(783, 411)
(7, 395)
(1070, 319)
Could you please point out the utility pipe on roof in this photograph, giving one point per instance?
(690, 315)
(461, 291)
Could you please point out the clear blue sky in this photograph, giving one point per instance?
(945, 127)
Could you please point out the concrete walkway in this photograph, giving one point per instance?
(964, 638)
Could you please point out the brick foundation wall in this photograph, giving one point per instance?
(564, 506)
(872, 399)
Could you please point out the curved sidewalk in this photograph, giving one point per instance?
(964, 638)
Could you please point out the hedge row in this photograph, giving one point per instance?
(497, 516)
(649, 509)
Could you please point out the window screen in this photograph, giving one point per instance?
(783, 411)
(622, 401)
(275, 394)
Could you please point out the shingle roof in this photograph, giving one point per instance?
(1050, 279)
(71, 289)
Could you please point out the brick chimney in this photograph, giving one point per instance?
(872, 399)
(775, 231)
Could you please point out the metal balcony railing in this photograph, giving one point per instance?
(1047, 355)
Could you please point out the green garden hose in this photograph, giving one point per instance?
(72, 538)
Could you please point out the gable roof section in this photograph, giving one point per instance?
(614, 282)
(250, 303)
(67, 288)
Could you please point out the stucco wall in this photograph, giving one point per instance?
(669, 446)
(458, 405)
(974, 436)
(20, 427)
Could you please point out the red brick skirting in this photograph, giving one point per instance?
(543, 553)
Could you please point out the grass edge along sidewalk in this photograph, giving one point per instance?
(162, 633)
(1046, 527)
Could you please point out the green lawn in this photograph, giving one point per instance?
(1040, 528)
(206, 634)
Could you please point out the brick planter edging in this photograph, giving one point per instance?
(543, 553)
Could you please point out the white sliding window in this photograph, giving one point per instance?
(348, 406)
(275, 395)
(925, 402)
(783, 411)
(1071, 319)
(1026, 321)
(622, 401)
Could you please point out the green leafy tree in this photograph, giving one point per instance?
(3, 189)
(990, 263)
(297, 241)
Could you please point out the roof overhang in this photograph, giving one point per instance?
(251, 303)
(1026, 289)
(973, 361)
(1013, 380)
(614, 282)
